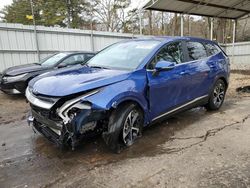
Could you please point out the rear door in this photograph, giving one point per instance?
(198, 69)
(218, 61)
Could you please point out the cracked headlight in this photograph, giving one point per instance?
(13, 78)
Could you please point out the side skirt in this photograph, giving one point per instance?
(191, 104)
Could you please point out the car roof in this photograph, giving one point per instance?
(76, 52)
(173, 38)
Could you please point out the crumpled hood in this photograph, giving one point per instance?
(21, 69)
(75, 80)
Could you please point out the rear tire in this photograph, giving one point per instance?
(217, 96)
(125, 126)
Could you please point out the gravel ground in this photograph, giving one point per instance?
(12, 108)
(238, 80)
(193, 149)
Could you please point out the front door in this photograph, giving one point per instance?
(168, 89)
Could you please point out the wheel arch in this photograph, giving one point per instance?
(223, 77)
(224, 80)
(123, 102)
(130, 99)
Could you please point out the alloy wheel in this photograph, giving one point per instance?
(218, 94)
(131, 127)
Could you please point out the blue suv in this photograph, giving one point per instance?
(127, 86)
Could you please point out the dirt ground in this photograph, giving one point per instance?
(193, 149)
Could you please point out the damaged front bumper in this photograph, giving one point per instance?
(66, 124)
(48, 128)
(70, 134)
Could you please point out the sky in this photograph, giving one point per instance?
(4, 2)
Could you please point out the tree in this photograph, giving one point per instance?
(52, 12)
(17, 11)
(47, 12)
(132, 22)
(221, 24)
(110, 13)
(77, 12)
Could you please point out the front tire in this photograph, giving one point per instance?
(125, 126)
(217, 96)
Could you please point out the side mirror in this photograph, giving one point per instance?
(164, 66)
(61, 65)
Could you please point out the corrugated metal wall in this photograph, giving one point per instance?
(239, 55)
(18, 44)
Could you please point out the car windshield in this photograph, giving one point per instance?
(125, 55)
(52, 60)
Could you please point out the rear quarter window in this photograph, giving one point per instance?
(212, 49)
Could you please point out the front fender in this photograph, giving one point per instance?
(112, 95)
(129, 96)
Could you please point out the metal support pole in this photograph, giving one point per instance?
(212, 29)
(92, 34)
(182, 26)
(140, 19)
(35, 32)
(92, 38)
(234, 36)
(234, 30)
(190, 27)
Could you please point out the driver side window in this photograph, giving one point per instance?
(171, 52)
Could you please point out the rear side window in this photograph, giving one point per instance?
(196, 51)
(211, 49)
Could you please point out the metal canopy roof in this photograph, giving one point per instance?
(230, 9)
